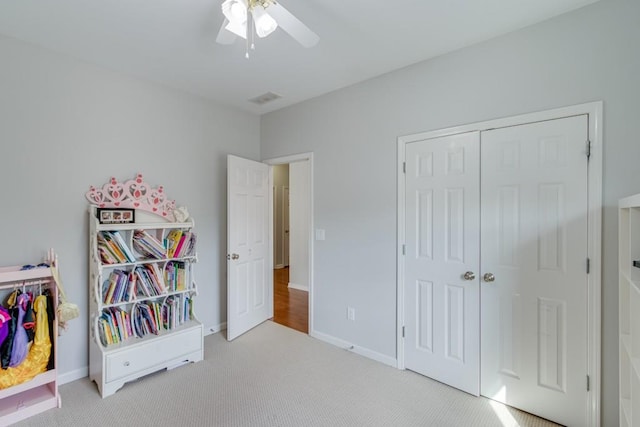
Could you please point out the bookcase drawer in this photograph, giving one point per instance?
(131, 361)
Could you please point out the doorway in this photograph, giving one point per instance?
(292, 243)
(290, 305)
(527, 190)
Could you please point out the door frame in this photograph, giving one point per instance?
(594, 111)
(291, 159)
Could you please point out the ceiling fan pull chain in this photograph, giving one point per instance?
(249, 30)
(251, 22)
(253, 32)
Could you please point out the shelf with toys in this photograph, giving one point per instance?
(28, 340)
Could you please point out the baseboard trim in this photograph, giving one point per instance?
(369, 354)
(208, 330)
(278, 266)
(298, 287)
(77, 374)
(362, 351)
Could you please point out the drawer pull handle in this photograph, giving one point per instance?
(126, 363)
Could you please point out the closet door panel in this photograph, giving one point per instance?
(534, 247)
(442, 226)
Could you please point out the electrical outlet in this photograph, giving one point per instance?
(351, 313)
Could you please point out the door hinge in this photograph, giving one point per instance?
(404, 167)
(588, 265)
(588, 149)
(588, 383)
(404, 249)
(403, 332)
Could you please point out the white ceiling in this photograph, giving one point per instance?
(173, 41)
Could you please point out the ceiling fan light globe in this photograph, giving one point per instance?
(239, 29)
(235, 11)
(265, 24)
(239, 11)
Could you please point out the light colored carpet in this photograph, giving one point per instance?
(275, 376)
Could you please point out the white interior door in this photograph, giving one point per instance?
(441, 294)
(534, 244)
(285, 201)
(249, 260)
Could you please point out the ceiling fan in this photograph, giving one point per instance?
(244, 18)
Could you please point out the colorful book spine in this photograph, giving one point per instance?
(123, 246)
(179, 246)
(148, 246)
(171, 242)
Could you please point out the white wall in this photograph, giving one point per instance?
(587, 55)
(280, 182)
(66, 125)
(299, 210)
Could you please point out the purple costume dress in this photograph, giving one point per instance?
(20, 340)
(5, 318)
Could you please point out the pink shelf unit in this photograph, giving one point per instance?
(24, 400)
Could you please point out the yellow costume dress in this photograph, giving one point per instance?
(39, 353)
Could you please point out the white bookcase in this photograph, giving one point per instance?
(629, 309)
(179, 336)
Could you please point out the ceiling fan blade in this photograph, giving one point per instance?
(292, 25)
(225, 36)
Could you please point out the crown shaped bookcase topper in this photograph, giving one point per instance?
(135, 194)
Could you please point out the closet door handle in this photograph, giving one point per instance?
(469, 275)
(489, 277)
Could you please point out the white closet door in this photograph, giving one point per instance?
(534, 243)
(442, 230)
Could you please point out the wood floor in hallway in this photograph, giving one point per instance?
(290, 306)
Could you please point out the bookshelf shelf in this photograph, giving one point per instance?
(629, 309)
(145, 226)
(142, 283)
(140, 342)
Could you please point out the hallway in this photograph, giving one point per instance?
(290, 306)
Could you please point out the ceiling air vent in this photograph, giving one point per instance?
(264, 98)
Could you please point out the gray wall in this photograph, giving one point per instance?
(280, 181)
(587, 55)
(66, 125)
(299, 212)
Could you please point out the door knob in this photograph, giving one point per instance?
(489, 277)
(233, 256)
(469, 275)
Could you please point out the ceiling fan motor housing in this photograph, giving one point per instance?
(263, 3)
